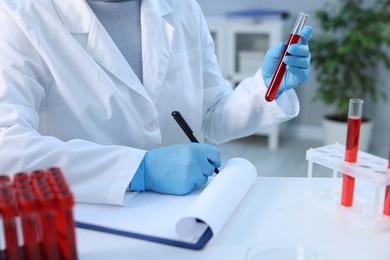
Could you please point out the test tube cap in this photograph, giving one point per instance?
(4, 178)
(46, 201)
(5, 185)
(6, 193)
(299, 23)
(355, 108)
(8, 207)
(21, 176)
(65, 199)
(38, 174)
(27, 203)
(55, 171)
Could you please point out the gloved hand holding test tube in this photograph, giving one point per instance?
(280, 71)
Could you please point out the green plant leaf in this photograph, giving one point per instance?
(346, 55)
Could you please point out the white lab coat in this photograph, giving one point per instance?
(68, 98)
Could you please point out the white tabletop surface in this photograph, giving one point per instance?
(276, 211)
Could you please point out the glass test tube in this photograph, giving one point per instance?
(65, 225)
(29, 213)
(281, 67)
(8, 212)
(4, 178)
(46, 203)
(352, 148)
(386, 204)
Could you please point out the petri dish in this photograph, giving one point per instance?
(280, 251)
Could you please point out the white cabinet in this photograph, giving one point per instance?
(240, 48)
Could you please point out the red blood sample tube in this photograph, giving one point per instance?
(21, 176)
(28, 210)
(6, 190)
(55, 171)
(281, 67)
(8, 213)
(4, 178)
(55, 175)
(38, 174)
(60, 187)
(47, 207)
(21, 189)
(38, 186)
(352, 148)
(386, 205)
(5, 193)
(65, 225)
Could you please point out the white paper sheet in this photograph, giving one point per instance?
(175, 217)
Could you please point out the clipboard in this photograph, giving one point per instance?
(189, 221)
(207, 235)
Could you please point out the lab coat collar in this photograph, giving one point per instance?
(160, 7)
(157, 34)
(78, 18)
(75, 15)
(104, 51)
(82, 16)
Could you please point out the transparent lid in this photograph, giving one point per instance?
(299, 23)
(355, 107)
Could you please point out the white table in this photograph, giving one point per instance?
(275, 210)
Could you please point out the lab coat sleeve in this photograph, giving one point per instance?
(96, 173)
(242, 111)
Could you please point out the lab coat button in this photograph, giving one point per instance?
(151, 126)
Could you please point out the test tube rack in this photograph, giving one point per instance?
(371, 178)
(36, 219)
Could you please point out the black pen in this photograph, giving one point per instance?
(187, 130)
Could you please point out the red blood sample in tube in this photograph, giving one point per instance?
(8, 213)
(47, 207)
(352, 147)
(348, 190)
(55, 175)
(353, 133)
(6, 187)
(65, 225)
(280, 70)
(350, 156)
(386, 204)
(60, 187)
(21, 176)
(5, 193)
(38, 174)
(54, 171)
(281, 67)
(4, 178)
(28, 210)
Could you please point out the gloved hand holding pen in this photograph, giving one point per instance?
(176, 169)
(297, 62)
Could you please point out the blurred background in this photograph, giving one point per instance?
(242, 33)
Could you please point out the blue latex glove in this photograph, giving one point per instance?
(298, 62)
(176, 169)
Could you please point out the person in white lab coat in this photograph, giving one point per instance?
(69, 98)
